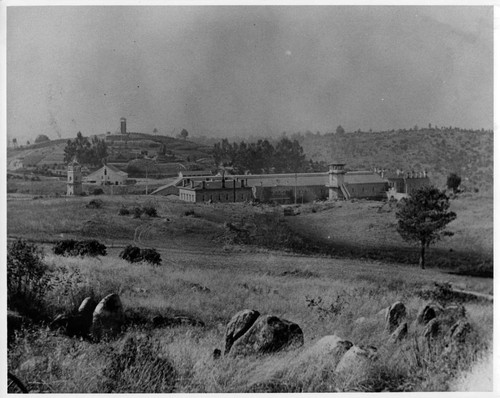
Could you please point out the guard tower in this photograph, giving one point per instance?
(74, 183)
(123, 125)
(336, 188)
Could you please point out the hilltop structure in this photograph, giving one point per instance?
(74, 180)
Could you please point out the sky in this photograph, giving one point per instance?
(241, 71)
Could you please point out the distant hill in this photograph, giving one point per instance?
(123, 147)
(439, 151)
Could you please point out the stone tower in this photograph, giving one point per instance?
(336, 185)
(74, 182)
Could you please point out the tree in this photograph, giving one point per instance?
(92, 152)
(41, 138)
(424, 217)
(340, 130)
(453, 182)
(184, 133)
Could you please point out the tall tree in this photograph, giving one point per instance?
(424, 217)
(340, 130)
(184, 134)
(41, 138)
(453, 181)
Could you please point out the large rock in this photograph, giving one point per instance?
(428, 312)
(432, 329)
(238, 326)
(87, 307)
(268, 334)
(108, 317)
(400, 333)
(356, 361)
(394, 316)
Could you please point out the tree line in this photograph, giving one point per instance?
(85, 151)
(262, 157)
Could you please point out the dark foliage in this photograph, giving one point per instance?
(71, 247)
(261, 157)
(94, 204)
(123, 211)
(92, 152)
(150, 211)
(97, 191)
(27, 277)
(453, 182)
(134, 254)
(424, 217)
(137, 211)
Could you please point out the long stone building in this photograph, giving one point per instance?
(336, 184)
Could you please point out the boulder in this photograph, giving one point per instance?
(72, 324)
(238, 326)
(400, 333)
(394, 316)
(459, 331)
(108, 317)
(356, 361)
(428, 312)
(87, 307)
(268, 334)
(333, 347)
(432, 329)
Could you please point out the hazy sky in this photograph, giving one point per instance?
(247, 70)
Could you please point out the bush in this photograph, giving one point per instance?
(134, 254)
(97, 191)
(137, 212)
(71, 247)
(150, 211)
(123, 211)
(94, 204)
(27, 277)
(151, 256)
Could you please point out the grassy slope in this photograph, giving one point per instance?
(271, 282)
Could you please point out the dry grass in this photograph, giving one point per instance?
(204, 281)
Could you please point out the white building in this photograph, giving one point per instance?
(107, 175)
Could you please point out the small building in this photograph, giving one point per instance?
(224, 191)
(74, 179)
(402, 184)
(107, 175)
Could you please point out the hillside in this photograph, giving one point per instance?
(440, 152)
(122, 149)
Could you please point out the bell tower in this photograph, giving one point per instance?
(336, 187)
(74, 182)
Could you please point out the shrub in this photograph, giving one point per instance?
(27, 277)
(71, 247)
(150, 211)
(151, 256)
(94, 204)
(189, 213)
(134, 254)
(97, 191)
(123, 211)
(137, 212)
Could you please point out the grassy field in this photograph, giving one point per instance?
(205, 276)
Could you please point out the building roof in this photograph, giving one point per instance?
(115, 169)
(188, 173)
(363, 177)
(213, 185)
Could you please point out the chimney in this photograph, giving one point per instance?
(123, 125)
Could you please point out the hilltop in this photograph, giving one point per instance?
(169, 153)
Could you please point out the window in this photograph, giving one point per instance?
(227, 196)
(105, 172)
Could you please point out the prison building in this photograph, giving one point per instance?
(223, 191)
(403, 184)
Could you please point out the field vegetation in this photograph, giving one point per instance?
(219, 259)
